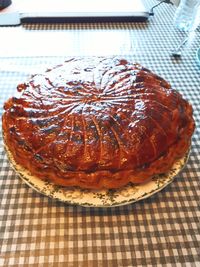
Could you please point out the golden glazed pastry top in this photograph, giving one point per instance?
(97, 123)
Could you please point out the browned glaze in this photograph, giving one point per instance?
(97, 122)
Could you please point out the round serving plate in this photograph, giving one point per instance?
(100, 198)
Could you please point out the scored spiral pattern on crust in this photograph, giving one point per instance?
(97, 122)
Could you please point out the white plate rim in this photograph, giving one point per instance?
(99, 198)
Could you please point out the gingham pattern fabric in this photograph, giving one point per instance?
(163, 230)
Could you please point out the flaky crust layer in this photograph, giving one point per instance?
(97, 123)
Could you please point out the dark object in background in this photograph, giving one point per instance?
(4, 3)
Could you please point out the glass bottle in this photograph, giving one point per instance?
(187, 15)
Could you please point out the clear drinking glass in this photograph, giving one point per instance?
(187, 15)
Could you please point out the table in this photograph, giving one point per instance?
(163, 230)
